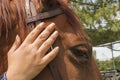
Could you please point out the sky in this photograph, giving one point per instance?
(104, 53)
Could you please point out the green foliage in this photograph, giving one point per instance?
(99, 36)
(99, 18)
(108, 64)
(92, 13)
(104, 65)
(117, 62)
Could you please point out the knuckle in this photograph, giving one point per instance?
(25, 45)
(46, 43)
(42, 37)
(32, 33)
(51, 40)
(53, 37)
(33, 48)
(49, 30)
(38, 29)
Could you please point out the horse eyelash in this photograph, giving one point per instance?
(79, 53)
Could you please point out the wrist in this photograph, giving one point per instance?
(14, 76)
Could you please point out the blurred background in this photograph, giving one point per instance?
(101, 19)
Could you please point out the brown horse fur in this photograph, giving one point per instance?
(70, 66)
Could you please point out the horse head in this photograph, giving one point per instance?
(74, 61)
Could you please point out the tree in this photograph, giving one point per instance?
(107, 65)
(100, 18)
(117, 62)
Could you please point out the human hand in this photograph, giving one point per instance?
(27, 60)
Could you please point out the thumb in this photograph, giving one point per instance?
(15, 45)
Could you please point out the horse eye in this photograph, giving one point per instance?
(79, 53)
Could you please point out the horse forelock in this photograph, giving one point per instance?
(11, 15)
(4, 15)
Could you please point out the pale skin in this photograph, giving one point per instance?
(27, 59)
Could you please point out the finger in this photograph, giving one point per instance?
(47, 44)
(50, 56)
(15, 45)
(34, 33)
(44, 35)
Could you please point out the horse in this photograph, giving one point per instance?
(74, 61)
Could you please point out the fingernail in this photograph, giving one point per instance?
(56, 32)
(42, 23)
(57, 48)
(52, 25)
